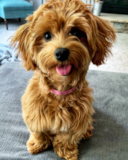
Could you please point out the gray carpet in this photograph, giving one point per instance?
(110, 136)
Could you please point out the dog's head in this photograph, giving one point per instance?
(61, 38)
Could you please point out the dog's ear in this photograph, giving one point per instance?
(22, 43)
(105, 36)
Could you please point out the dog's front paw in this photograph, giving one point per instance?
(68, 153)
(65, 149)
(71, 155)
(34, 146)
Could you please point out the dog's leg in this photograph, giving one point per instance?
(66, 146)
(38, 142)
(88, 134)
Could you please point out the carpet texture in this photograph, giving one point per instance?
(110, 136)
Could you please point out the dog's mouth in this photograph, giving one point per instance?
(64, 70)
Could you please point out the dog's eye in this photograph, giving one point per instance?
(47, 36)
(76, 32)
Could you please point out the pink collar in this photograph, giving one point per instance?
(63, 92)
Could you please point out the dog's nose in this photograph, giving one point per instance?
(61, 54)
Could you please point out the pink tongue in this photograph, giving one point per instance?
(64, 69)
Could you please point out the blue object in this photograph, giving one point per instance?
(10, 9)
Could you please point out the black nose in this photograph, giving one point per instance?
(61, 54)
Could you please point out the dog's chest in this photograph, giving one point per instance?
(57, 117)
(53, 116)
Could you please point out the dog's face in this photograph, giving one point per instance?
(61, 38)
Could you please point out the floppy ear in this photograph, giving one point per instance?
(105, 37)
(22, 43)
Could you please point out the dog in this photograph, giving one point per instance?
(58, 42)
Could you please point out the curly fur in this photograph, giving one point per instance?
(60, 120)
